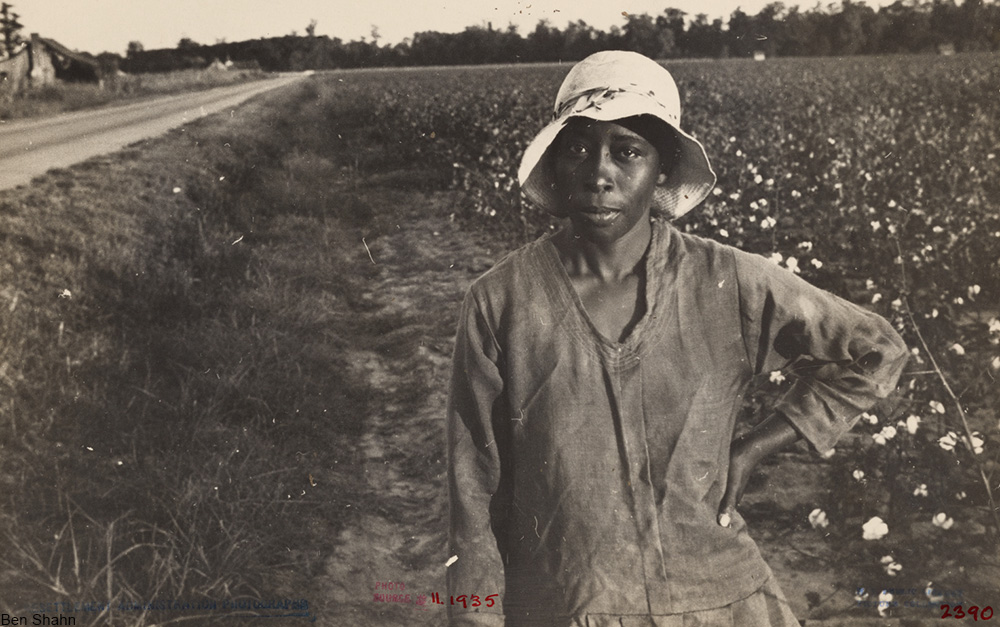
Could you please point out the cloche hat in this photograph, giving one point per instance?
(613, 85)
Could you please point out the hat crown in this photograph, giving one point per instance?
(623, 71)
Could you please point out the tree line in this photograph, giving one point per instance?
(848, 28)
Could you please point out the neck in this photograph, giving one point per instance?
(607, 261)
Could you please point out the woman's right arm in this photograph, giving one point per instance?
(474, 471)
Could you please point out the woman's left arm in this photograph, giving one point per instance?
(773, 434)
(843, 359)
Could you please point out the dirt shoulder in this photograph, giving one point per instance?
(394, 542)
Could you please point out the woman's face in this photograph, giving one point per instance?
(605, 177)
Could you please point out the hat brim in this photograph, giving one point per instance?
(689, 183)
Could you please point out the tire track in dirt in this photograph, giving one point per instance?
(402, 350)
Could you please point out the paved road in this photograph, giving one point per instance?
(32, 147)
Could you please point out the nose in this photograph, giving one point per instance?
(599, 176)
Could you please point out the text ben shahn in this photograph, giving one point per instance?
(37, 619)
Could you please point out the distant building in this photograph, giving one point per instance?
(45, 62)
(759, 55)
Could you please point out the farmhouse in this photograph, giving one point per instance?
(44, 62)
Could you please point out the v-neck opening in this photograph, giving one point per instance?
(565, 286)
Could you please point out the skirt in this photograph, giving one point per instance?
(765, 608)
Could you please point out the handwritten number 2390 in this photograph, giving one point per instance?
(986, 613)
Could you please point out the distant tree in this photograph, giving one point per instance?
(705, 39)
(908, 28)
(134, 48)
(741, 38)
(579, 40)
(187, 44)
(311, 29)
(642, 35)
(545, 43)
(769, 29)
(848, 32)
(672, 20)
(11, 29)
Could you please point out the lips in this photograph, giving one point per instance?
(599, 216)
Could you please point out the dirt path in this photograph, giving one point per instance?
(403, 349)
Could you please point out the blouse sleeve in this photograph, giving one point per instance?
(474, 471)
(844, 357)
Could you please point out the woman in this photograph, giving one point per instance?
(598, 372)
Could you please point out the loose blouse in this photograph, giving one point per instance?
(585, 475)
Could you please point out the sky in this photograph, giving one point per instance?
(109, 25)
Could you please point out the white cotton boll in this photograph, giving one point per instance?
(858, 475)
(892, 567)
(920, 490)
(887, 433)
(816, 263)
(976, 443)
(817, 518)
(777, 377)
(942, 520)
(948, 441)
(957, 349)
(874, 529)
(936, 406)
(884, 603)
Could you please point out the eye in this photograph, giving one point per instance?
(575, 148)
(630, 152)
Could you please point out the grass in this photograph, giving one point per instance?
(62, 97)
(175, 399)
